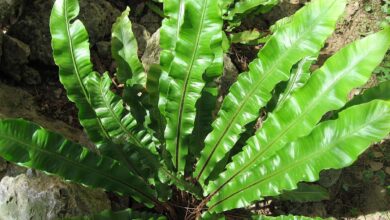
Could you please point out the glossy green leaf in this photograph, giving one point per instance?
(126, 214)
(71, 54)
(32, 146)
(119, 124)
(179, 182)
(174, 11)
(204, 115)
(193, 55)
(139, 161)
(122, 129)
(381, 91)
(284, 217)
(156, 120)
(332, 144)
(306, 193)
(303, 36)
(299, 76)
(210, 216)
(169, 32)
(280, 23)
(130, 70)
(244, 7)
(246, 37)
(226, 5)
(124, 49)
(206, 104)
(327, 90)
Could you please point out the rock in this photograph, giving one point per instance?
(142, 36)
(377, 154)
(33, 28)
(151, 21)
(1, 45)
(14, 170)
(15, 57)
(387, 170)
(98, 17)
(47, 197)
(329, 177)
(375, 166)
(376, 216)
(104, 49)
(230, 74)
(3, 167)
(22, 105)
(152, 51)
(9, 9)
(15, 60)
(31, 76)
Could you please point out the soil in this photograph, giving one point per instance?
(355, 191)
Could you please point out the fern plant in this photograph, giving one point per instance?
(159, 140)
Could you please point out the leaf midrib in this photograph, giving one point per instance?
(231, 122)
(186, 83)
(297, 119)
(295, 80)
(302, 160)
(75, 66)
(121, 126)
(85, 167)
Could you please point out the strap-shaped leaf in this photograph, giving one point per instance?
(124, 49)
(225, 5)
(306, 193)
(204, 115)
(332, 144)
(29, 145)
(169, 32)
(244, 6)
(119, 124)
(303, 36)
(71, 54)
(381, 91)
(139, 155)
(298, 79)
(326, 90)
(300, 74)
(193, 55)
(284, 217)
(249, 37)
(155, 120)
(174, 11)
(130, 71)
(121, 215)
(206, 104)
(138, 160)
(212, 216)
(177, 180)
